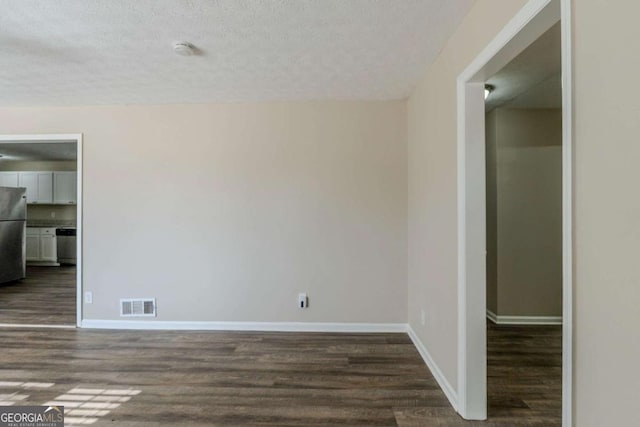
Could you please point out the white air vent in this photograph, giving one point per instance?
(138, 307)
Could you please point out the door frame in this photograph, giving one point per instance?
(57, 139)
(528, 24)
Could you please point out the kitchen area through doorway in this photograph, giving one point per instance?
(38, 232)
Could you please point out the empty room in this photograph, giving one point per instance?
(319, 212)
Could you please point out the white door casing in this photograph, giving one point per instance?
(532, 20)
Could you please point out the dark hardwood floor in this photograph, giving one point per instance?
(46, 297)
(524, 373)
(161, 378)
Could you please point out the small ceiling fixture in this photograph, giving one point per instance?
(184, 48)
(487, 90)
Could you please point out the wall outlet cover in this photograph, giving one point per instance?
(303, 301)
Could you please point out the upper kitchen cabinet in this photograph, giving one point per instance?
(57, 188)
(8, 179)
(39, 186)
(64, 188)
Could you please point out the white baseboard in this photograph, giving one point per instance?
(43, 264)
(244, 326)
(444, 384)
(523, 320)
(492, 316)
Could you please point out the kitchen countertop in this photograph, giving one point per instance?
(51, 223)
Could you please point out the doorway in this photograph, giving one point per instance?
(47, 171)
(523, 153)
(534, 19)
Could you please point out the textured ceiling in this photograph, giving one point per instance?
(533, 78)
(79, 52)
(36, 151)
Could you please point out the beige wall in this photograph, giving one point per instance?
(520, 127)
(432, 183)
(226, 212)
(524, 212)
(607, 213)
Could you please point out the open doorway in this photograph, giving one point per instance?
(523, 154)
(534, 19)
(40, 195)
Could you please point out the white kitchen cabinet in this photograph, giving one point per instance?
(58, 188)
(33, 244)
(41, 245)
(64, 188)
(48, 248)
(29, 180)
(39, 186)
(8, 179)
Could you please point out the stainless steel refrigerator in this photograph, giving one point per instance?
(13, 228)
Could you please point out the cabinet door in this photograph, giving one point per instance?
(29, 180)
(33, 247)
(8, 179)
(45, 187)
(64, 188)
(39, 186)
(48, 249)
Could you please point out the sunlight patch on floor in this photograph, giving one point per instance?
(10, 399)
(87, 405)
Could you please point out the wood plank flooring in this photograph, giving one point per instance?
(46, 296)
(162, 378)
(524, 373)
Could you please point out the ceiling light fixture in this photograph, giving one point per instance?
(184, 48)
(487, 90)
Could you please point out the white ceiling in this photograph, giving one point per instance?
(533, 78)
(78, 52)
(21, 151)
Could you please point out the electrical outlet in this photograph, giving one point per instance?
(53, 214)
(88, 297)
(423, 317)
(303, 301)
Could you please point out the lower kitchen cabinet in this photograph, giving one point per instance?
(33, 247)
(41, 245)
